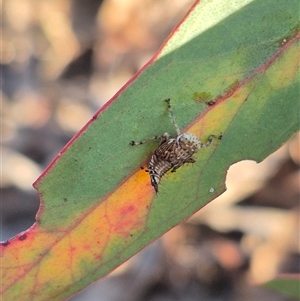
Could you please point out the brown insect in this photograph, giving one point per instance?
(173, 152)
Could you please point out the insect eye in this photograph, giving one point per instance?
(184, 139)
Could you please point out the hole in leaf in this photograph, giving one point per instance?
(18, 210)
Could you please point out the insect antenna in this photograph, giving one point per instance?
(172, 116)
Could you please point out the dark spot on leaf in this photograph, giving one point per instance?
(211, 103)
(22, 237)
(5, 243)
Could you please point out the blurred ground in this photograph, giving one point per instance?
(60, 61)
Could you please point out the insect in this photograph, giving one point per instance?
(172, 152)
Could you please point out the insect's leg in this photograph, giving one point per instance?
(162, 138)
(189, 160)
(145, 169)
(144, 141)
(210, 140)
(175, 168)
(172, 116)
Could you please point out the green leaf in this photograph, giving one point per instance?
(288, 285)
(98, 208)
